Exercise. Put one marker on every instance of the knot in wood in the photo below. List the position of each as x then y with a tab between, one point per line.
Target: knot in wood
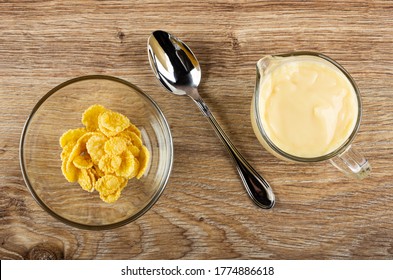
44	252
121	36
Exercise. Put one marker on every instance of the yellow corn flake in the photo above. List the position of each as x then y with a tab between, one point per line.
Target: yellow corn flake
132	138
124	184
112	197
80	147
104	154
95	147
143	161
108	184
90	116
71	136
92	176
133	141
124	135
134	129
115	146
135	151
69	171
83	161
109	187
86	180
136	169
111	123
127	166
67	149
109	164
136	140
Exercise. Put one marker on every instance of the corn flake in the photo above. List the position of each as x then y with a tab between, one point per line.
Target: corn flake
135	151
86	180
111	123
132	138
109	164
70	172
95	147
143	161
134	129
109	187
80	147
115	146
83	161
71	136
90	117
67	149
127	166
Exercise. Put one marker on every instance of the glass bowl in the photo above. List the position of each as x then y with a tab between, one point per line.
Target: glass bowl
60	110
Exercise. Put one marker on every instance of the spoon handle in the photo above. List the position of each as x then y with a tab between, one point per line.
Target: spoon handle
256	186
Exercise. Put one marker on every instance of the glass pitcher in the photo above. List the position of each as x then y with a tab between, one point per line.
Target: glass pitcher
344	157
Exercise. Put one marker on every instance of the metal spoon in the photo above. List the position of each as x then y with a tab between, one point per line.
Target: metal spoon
178	70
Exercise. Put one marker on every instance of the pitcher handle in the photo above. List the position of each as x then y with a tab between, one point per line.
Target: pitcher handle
352	163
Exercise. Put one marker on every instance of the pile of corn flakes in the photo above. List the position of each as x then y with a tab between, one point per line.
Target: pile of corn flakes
104	154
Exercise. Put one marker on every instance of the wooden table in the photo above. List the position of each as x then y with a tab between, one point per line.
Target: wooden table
204	212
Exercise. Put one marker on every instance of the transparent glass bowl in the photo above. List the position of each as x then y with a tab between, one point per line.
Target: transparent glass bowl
61	109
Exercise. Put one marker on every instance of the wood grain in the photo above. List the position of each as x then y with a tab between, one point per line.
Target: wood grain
204	213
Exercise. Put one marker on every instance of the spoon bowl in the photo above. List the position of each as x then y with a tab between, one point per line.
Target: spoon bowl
178	70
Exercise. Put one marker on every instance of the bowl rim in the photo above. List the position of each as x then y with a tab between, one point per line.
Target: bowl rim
155	197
